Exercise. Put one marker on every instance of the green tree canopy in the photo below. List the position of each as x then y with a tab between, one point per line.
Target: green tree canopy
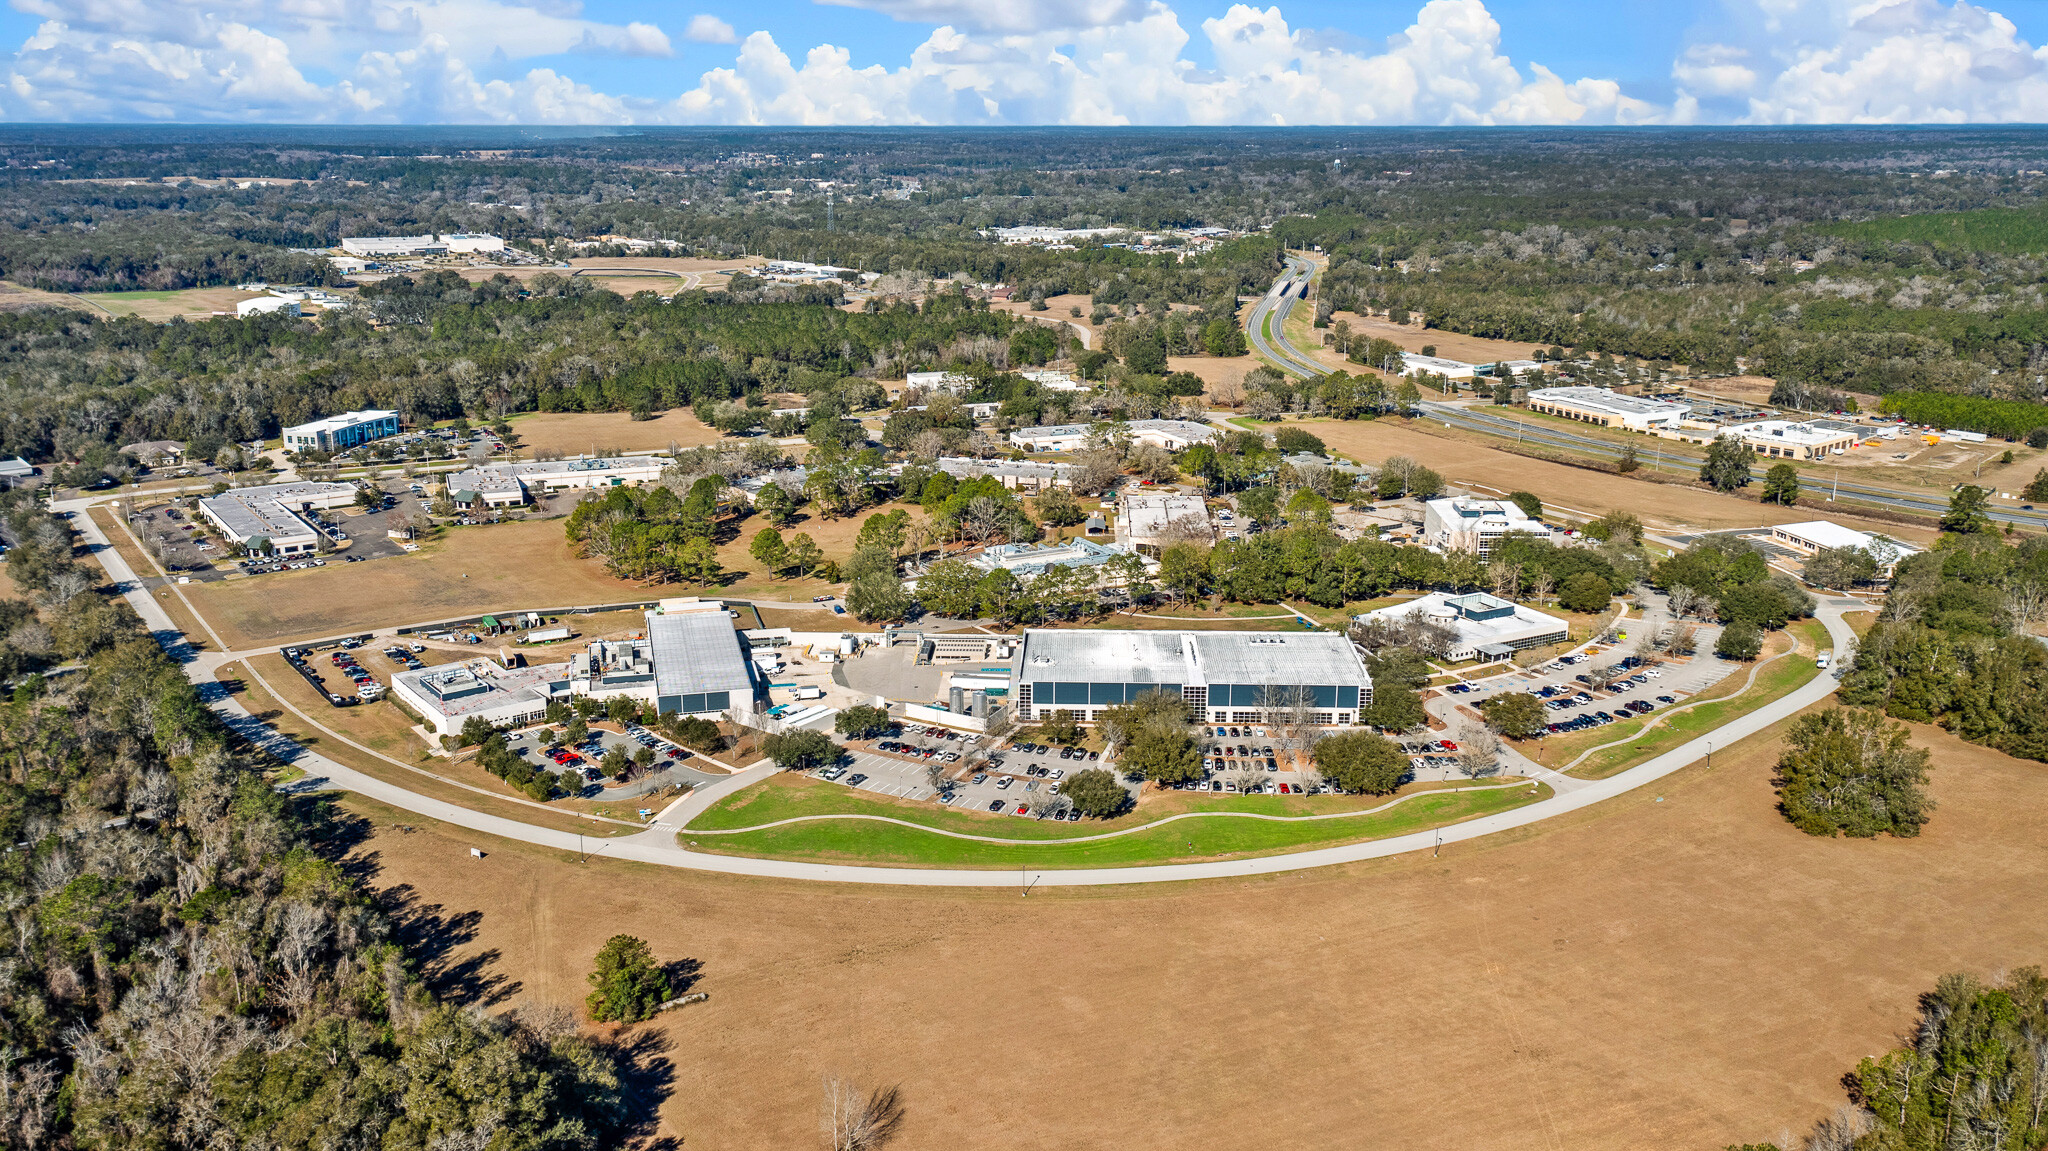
1361	762
1850	771
627	985
1515	714
1095	792
1726	468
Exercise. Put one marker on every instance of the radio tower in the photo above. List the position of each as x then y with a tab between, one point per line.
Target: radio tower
828	211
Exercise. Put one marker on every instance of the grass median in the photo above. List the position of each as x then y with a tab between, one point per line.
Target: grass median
1212	834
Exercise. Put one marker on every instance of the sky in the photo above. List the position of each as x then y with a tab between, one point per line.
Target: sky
992	62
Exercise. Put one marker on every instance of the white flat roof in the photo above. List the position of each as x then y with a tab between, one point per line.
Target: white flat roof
1603	399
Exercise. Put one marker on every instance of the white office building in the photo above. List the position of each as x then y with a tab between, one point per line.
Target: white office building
1173	435
339	433
1225	677
273	512
1463	523
954	382
1609	409
507	484
385	247
1790	440
1437	366
1154	518
1487	627
1811	536
1026	476
1029	561
472	242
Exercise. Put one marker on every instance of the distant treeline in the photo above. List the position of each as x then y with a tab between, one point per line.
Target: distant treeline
2008	419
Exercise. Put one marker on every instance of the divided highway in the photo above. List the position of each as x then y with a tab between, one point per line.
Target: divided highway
1293	284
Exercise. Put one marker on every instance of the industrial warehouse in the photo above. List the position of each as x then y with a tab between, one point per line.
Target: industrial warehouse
691	661
1225	677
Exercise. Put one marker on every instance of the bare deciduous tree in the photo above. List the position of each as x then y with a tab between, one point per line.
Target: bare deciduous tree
1478	752
857	1120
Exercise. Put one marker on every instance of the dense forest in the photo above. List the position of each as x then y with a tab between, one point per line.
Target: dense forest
1869	260
193	959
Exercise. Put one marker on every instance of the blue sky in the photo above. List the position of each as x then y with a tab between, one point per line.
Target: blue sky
1009	61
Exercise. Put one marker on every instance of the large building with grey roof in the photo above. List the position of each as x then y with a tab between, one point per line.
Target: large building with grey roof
273	513
1608	408
1225	677
508	484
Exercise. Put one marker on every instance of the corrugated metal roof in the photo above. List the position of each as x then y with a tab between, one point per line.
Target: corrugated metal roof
697	652
1190	657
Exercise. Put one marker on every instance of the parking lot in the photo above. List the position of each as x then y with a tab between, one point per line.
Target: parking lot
183	545
667	769
1573	704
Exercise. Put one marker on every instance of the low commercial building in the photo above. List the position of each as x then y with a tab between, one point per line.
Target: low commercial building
1462	523
1785	439
472	242
155	453
1028	561
272	513
15	468
339	433
1025	476
1437	366
1811	536
1154	518
690	662
1053	381
954	382
374	247
448	696
1487	627
507	484
790	480
1225	677
1609	409
1173	435
266	305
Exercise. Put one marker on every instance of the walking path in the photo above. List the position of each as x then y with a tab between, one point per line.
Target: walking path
658	844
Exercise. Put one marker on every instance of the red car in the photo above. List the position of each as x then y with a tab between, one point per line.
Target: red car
1021	809
1449	746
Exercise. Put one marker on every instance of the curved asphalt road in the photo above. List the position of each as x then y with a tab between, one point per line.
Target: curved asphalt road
658	844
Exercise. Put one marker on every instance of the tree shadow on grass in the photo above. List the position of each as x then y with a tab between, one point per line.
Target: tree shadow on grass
647	1078
432	936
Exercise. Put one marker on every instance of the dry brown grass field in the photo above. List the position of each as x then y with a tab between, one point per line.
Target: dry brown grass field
16	298
583	432
1450	345
1684	973
504	567
636	273
1461	461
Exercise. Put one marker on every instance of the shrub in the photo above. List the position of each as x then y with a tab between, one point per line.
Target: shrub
1739	640
1094	791
1361	762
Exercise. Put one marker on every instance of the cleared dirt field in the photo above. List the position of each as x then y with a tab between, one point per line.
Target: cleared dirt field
1685	973
1371	441
192	303
584	432
1449	345
509	566
16	298
637	273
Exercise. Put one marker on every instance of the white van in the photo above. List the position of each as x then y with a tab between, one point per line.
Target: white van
1824	658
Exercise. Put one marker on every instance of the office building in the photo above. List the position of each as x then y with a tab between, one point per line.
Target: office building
1225	677
1609	409
339	433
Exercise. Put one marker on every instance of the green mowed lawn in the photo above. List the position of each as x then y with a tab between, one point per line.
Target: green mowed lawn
155	295
1052	845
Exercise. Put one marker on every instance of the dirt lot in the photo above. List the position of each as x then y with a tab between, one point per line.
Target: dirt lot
526	564
1685	973
15	298
692	272
1370	441
574	432
1449	345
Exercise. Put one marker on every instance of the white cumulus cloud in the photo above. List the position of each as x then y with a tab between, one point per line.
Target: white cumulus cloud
1107	62
708	29
1865	61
